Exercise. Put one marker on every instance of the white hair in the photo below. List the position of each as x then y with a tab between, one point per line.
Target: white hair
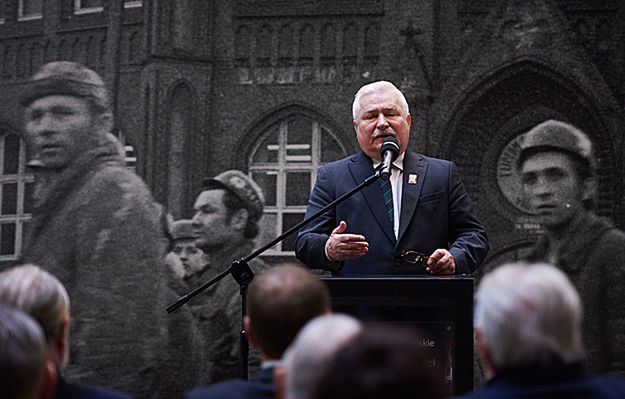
527	314
315	344
380	85
38	293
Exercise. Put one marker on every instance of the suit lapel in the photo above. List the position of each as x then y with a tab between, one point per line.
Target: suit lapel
415	167
361	168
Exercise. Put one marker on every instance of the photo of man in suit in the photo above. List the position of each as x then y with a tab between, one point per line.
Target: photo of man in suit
423	222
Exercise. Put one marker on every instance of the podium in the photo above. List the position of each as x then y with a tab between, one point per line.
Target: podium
440	307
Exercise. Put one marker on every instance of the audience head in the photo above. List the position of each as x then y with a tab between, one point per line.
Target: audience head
36	292
24	369
312	350
280	302
527	315
382	361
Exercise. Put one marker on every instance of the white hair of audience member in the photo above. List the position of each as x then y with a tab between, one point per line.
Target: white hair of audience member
314	346
23	355
39	294
527	313
376	86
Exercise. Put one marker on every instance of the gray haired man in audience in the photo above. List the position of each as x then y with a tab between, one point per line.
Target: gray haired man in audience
312	351
41	295
528	332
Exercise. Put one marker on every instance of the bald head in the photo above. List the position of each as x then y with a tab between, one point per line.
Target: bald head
280	302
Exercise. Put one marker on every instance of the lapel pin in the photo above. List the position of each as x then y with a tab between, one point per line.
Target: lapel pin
412	179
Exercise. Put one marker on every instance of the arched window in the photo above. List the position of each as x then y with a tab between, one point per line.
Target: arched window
284	163
15	193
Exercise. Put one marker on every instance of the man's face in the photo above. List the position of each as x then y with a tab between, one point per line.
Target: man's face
59	128
211	223
554	190
192	257
381	116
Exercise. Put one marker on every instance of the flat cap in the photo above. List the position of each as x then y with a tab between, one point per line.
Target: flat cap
65	78
243	187
558	136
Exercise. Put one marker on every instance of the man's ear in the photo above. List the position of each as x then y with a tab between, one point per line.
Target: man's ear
238	220
105	120
248	332
63	342
49	382
589	189
484	352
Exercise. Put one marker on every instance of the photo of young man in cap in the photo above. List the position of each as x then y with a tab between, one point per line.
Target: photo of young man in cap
88	213
227	212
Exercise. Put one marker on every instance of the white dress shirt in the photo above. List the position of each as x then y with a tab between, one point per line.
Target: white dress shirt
397	172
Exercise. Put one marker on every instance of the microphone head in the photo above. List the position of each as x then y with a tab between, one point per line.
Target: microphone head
390	144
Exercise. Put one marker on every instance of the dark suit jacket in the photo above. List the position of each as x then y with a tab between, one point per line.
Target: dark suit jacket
71	391
564	382
436	212
261	387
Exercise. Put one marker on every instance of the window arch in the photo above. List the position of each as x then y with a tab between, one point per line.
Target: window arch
15	194
284	163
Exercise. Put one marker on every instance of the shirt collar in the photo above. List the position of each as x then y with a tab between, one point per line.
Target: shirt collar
398	163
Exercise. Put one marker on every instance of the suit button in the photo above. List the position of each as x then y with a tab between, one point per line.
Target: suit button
397	261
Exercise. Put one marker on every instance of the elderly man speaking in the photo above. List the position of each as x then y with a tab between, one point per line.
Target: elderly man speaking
422	222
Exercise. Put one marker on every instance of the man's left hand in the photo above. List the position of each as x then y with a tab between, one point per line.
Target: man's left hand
441	262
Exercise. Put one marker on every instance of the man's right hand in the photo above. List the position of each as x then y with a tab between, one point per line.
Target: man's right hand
340	247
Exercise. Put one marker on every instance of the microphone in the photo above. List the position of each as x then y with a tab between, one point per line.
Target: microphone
389	152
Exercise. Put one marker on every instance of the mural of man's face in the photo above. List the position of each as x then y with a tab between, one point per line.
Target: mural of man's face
553	188
211	223
192	258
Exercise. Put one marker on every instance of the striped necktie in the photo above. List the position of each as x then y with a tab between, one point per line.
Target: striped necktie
387	193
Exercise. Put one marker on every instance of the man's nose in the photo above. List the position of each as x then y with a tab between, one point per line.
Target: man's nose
381	122
45	126
542	187
195	220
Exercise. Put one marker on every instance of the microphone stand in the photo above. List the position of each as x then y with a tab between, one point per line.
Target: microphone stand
243	274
